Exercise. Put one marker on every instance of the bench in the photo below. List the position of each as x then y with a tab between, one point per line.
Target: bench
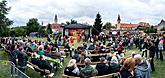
35	67
98	54
93	64
113	75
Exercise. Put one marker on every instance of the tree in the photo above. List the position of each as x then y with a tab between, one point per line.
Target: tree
97	25
17	31
71	22
49	29
4	21
150	30
107	26
42	32
32	26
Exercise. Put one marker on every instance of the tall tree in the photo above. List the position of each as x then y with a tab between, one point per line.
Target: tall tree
4	21
49	29
71	22
107	26
32	26
97	25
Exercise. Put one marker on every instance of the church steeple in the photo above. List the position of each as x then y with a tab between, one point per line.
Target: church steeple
55	18
118	19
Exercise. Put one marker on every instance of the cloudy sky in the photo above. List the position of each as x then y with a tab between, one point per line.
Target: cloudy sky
84	11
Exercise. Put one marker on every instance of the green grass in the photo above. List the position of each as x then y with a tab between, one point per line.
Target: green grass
4	70
40	39
3	55
4	66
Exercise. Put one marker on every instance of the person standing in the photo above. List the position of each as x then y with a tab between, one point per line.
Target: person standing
160	48
22	61
151	54
156	42
145	47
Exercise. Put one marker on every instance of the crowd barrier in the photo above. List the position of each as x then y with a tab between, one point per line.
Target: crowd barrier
14	71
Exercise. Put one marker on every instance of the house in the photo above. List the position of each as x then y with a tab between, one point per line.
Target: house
161	25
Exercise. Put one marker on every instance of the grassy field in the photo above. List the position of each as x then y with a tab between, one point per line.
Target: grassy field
159	66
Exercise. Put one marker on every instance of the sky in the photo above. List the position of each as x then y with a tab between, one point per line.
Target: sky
84	11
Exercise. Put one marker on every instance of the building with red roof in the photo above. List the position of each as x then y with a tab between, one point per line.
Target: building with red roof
56	27
130	26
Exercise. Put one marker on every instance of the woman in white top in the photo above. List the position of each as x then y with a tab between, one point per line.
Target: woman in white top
161	47
72	69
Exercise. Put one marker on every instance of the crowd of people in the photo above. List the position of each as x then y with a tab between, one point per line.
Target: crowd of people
42	53
116	60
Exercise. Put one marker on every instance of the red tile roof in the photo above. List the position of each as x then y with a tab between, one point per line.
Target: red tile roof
56	27
128	25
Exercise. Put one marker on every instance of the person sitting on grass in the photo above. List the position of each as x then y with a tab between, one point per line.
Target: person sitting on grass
88	70
101	67
72	69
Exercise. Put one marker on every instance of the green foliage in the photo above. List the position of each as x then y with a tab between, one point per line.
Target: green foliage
97	25
49	29
150	30
71	22
32	26
107	26
42	32
18	31
4	21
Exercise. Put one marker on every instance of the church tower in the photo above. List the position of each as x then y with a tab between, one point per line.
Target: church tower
118	22
55	18
118	19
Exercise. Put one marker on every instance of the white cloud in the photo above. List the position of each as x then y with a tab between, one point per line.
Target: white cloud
83	11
